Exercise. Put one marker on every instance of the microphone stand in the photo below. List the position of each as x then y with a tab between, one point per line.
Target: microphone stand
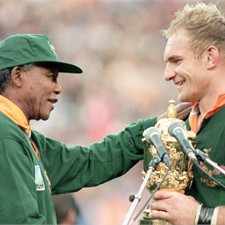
137	198
204	157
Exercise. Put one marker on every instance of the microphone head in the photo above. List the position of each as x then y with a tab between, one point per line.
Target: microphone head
177	130
153	136
174	127
149	132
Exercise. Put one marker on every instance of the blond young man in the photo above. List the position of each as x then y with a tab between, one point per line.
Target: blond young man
195	62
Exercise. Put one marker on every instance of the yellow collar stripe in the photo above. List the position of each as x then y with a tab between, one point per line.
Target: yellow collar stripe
12	111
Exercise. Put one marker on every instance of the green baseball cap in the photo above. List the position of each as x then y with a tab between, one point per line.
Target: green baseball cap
20	49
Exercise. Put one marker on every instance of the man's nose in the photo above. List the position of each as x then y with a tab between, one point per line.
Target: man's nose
58	88
169	73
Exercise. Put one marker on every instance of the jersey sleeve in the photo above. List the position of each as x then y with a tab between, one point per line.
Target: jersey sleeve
75	167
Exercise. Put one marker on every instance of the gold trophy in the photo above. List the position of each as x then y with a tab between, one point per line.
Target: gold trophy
175	177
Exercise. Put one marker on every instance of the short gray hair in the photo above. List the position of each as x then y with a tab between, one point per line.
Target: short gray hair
5	75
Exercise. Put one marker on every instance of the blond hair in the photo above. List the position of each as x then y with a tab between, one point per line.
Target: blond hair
204	24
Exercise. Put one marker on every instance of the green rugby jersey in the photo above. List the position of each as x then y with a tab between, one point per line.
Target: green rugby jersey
211	137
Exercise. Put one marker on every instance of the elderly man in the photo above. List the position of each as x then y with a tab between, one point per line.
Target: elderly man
195	63
34	167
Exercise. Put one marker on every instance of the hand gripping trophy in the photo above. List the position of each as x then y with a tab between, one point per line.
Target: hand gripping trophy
168	161
174	171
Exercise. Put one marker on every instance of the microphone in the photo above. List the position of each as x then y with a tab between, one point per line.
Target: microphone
153	135
177	130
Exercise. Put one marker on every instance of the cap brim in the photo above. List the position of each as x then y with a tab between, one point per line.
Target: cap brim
67	67
63	67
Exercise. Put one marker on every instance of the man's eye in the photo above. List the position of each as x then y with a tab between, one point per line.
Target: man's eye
177	61
52	77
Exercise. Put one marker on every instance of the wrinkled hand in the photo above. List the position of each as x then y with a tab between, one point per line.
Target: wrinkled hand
183	109
174	207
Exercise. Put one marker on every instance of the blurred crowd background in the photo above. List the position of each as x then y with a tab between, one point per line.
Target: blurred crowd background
119	46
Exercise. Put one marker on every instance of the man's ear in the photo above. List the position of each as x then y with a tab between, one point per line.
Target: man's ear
16	77
212	57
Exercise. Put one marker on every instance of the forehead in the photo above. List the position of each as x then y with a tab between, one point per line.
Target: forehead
48	67
178	45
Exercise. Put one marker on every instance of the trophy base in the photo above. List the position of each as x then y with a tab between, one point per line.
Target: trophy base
145	221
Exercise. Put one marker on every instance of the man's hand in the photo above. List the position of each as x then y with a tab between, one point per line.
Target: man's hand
174	207
221	216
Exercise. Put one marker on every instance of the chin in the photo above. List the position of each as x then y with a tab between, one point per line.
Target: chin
44	116
184	98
